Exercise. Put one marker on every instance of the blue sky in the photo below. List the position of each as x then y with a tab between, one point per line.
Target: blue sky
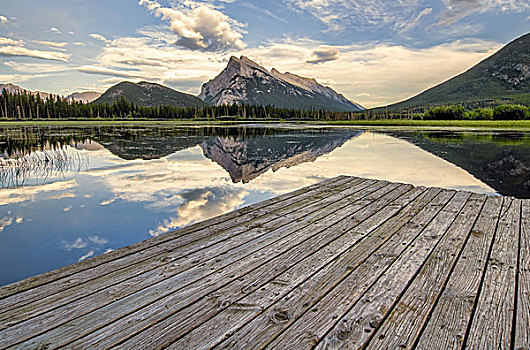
374	52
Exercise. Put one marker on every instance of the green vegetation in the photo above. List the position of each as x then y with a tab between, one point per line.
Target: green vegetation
26	107
500	76
146	94
502	112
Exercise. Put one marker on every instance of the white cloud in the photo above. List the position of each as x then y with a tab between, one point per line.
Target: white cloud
19	51
3	20
9	41
79	43
79	243
86	256
67	209
108	71
98	240
98	37
457	9
55	30
4	222
361	14
200	26
71	33
51	43
30	193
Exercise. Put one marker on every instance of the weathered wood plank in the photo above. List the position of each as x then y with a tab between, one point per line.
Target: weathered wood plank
71	312
180	259
522	323
404	323
360	264
355	322
145	318
67	271
491	326
210	331
449	320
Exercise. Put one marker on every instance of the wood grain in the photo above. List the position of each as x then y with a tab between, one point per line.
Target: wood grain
491	326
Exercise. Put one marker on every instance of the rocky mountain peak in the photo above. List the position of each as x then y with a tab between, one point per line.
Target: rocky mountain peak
245	81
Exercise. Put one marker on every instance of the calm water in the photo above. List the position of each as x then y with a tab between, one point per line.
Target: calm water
67	194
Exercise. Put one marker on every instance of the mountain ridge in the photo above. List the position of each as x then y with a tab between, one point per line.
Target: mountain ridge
245	81
501	75
146	94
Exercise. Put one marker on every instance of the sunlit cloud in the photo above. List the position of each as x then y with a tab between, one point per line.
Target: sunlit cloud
10	41
199	26
55	30
20	51
4	222
3	20
30	193
51	43
98	37
86	256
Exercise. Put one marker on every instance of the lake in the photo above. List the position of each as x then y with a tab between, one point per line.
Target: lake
71	193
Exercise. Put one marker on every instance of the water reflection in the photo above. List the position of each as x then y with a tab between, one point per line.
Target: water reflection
501	160
123	185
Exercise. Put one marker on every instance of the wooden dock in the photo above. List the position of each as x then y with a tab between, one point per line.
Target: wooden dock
346	263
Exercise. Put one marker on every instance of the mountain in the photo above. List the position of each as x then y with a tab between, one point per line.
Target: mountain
149	95
85	97
245	81
504	74
247	158
15	89
501	161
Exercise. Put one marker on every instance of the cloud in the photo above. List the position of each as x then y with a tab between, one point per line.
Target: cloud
51	43
98	240
455	10
406	26
55	30
78	43
79	243
98	37
108	71
86	256
30	193
9	41
200	26
3	20
325	55
20	51
359	14
201	205
4	222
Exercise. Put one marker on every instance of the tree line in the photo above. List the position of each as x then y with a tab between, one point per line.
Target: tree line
25	106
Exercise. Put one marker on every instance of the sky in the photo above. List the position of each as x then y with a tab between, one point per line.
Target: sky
374	52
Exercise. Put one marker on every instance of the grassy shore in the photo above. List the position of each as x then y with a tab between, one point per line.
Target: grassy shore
521	125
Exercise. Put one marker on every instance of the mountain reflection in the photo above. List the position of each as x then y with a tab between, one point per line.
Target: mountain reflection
244	152
501	160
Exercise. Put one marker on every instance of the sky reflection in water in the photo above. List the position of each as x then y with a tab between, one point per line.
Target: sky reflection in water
102	201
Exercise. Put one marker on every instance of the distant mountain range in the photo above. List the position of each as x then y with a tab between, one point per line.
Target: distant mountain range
85	97
245	81
149	95
504	74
